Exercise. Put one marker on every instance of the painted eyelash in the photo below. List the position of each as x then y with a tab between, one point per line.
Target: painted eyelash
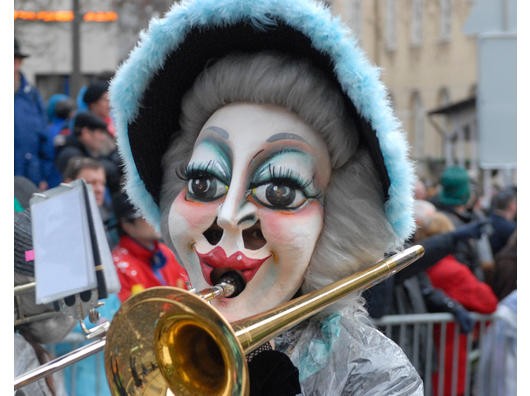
284	174
198	170
281	175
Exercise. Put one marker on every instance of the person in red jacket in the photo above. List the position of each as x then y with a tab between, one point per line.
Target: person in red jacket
459	283
141	259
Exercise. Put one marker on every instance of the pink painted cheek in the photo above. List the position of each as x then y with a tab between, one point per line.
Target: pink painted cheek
283	227
196	214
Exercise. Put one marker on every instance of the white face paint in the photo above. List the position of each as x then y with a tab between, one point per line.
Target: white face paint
253	203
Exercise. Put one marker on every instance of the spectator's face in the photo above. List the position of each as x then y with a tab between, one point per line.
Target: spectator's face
96	178
512	209
101	107
141	230
253	203
95	140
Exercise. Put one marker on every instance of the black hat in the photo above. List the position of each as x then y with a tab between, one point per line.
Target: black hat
24	190
88	120
18	52
123	208
147	91
95	91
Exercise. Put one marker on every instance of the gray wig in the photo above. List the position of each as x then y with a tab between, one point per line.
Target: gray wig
356	232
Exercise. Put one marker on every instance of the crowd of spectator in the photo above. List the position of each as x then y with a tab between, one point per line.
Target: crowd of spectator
66	140
58	141
455	275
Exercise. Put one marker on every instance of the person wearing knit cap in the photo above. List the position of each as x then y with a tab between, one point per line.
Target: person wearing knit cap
260	141
90	138
455	187
452	200
96	98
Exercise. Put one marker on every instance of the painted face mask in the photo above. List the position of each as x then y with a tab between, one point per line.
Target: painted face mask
252	203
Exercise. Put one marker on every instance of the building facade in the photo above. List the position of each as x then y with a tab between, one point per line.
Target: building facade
427	61
108	31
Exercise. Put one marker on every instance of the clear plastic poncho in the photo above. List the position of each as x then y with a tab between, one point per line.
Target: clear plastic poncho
342	353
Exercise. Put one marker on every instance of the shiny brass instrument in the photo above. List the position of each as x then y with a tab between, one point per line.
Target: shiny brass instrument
166	340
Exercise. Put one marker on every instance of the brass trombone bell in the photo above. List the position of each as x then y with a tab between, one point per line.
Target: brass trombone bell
166	340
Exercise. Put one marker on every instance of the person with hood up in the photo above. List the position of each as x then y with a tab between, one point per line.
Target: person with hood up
60	110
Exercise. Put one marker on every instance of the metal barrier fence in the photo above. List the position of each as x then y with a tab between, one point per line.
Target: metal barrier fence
429	340
421	336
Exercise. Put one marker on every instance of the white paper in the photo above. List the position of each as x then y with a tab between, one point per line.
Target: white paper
64	263
112	281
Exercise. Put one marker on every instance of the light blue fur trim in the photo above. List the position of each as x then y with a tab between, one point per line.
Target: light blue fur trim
359	79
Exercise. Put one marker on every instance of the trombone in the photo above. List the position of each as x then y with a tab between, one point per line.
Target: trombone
166	340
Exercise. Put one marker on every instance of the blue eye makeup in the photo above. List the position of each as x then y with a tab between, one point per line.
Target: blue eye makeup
283	181
283	187
205	182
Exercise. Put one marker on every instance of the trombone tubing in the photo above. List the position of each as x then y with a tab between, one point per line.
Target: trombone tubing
254	331
59	363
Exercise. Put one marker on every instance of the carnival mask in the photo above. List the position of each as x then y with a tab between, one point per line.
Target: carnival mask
253	203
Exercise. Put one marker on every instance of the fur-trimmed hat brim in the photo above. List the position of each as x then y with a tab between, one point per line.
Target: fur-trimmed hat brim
147	90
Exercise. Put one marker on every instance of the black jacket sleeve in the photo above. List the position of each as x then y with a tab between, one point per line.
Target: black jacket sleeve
436	248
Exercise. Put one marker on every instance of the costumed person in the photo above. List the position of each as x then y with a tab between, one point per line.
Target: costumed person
259	139
497	369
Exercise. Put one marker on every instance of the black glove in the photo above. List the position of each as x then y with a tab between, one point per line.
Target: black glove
272	373
471	230
437	301
463	318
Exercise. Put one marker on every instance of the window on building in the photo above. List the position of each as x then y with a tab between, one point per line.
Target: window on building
417	125
445	20
357	19
390	25
416	23
443	97
467	133
444	122
473	90
50	84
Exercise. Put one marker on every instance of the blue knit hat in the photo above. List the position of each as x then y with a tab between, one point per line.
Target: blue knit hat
147	90
455	187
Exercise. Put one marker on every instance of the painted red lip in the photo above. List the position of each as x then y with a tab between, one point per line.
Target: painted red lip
216	258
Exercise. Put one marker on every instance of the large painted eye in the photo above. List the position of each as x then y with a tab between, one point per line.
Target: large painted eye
277	195
206	188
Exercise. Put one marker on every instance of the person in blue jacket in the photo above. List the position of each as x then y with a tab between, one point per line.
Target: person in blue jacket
30	126
60	110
